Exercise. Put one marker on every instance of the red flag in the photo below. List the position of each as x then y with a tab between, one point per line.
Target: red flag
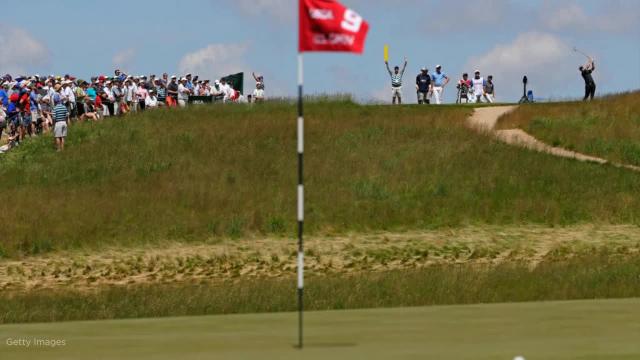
326	25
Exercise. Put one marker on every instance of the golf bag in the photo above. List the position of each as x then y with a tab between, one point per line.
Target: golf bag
463	93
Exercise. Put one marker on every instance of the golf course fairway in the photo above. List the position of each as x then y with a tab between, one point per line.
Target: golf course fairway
590	329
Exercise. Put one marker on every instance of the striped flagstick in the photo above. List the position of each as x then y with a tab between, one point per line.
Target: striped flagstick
300	202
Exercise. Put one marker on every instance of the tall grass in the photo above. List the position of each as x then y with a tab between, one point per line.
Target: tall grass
589	277
227	171
608	127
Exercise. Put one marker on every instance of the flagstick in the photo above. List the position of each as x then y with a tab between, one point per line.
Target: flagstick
300	201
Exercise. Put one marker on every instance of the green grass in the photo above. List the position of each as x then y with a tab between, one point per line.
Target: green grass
608	127
229	171
602	275
586	330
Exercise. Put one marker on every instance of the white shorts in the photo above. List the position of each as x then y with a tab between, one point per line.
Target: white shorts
60	130
396	91
258	94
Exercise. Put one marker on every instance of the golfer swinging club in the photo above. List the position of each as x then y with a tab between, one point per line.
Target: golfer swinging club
589	84
396	81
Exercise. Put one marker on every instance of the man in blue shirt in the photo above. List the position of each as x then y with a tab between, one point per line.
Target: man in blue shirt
34	108
439	80
4	97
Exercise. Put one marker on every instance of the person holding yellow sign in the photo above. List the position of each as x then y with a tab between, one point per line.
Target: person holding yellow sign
396	81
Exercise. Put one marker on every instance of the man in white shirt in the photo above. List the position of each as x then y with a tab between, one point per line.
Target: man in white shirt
227	91
68	96
151	101
258	94
110	109
477	84
183	93
130	92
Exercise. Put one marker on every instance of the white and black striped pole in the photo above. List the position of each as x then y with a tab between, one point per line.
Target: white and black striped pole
300	202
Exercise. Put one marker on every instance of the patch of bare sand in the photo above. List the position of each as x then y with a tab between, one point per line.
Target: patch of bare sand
484	119
276	257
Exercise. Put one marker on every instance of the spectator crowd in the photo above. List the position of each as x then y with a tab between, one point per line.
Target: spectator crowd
33	105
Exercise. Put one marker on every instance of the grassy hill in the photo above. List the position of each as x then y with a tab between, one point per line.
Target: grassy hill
229	171
608	127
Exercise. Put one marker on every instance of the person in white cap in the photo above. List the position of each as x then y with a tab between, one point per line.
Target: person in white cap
108	99
258	93
151	101
438	82
172	92
183	92
423	86
216	90
130	94
477	84
68	97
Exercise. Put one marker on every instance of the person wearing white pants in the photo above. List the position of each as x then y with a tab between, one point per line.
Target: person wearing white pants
477	83
489	90
439	80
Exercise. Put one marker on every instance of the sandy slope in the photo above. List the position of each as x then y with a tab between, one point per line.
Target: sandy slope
484	119
275	257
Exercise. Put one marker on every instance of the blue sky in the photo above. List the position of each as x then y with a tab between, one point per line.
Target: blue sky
215	37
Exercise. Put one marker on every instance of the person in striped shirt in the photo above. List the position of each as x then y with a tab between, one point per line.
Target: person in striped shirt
60	117
396	81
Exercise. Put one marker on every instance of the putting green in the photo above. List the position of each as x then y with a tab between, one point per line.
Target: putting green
599	329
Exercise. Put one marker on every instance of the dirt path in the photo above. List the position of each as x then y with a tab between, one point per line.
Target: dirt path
276	257
484	120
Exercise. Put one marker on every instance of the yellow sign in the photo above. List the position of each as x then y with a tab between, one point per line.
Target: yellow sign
386	53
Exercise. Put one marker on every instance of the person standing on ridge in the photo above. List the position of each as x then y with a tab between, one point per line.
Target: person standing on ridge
477	85
489	90
423	86
439	80
589	84
396	81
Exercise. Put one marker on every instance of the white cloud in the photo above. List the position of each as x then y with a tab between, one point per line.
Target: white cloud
544	58
281	10
215	60
480	17
570	16
124	59
614	16
21	51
